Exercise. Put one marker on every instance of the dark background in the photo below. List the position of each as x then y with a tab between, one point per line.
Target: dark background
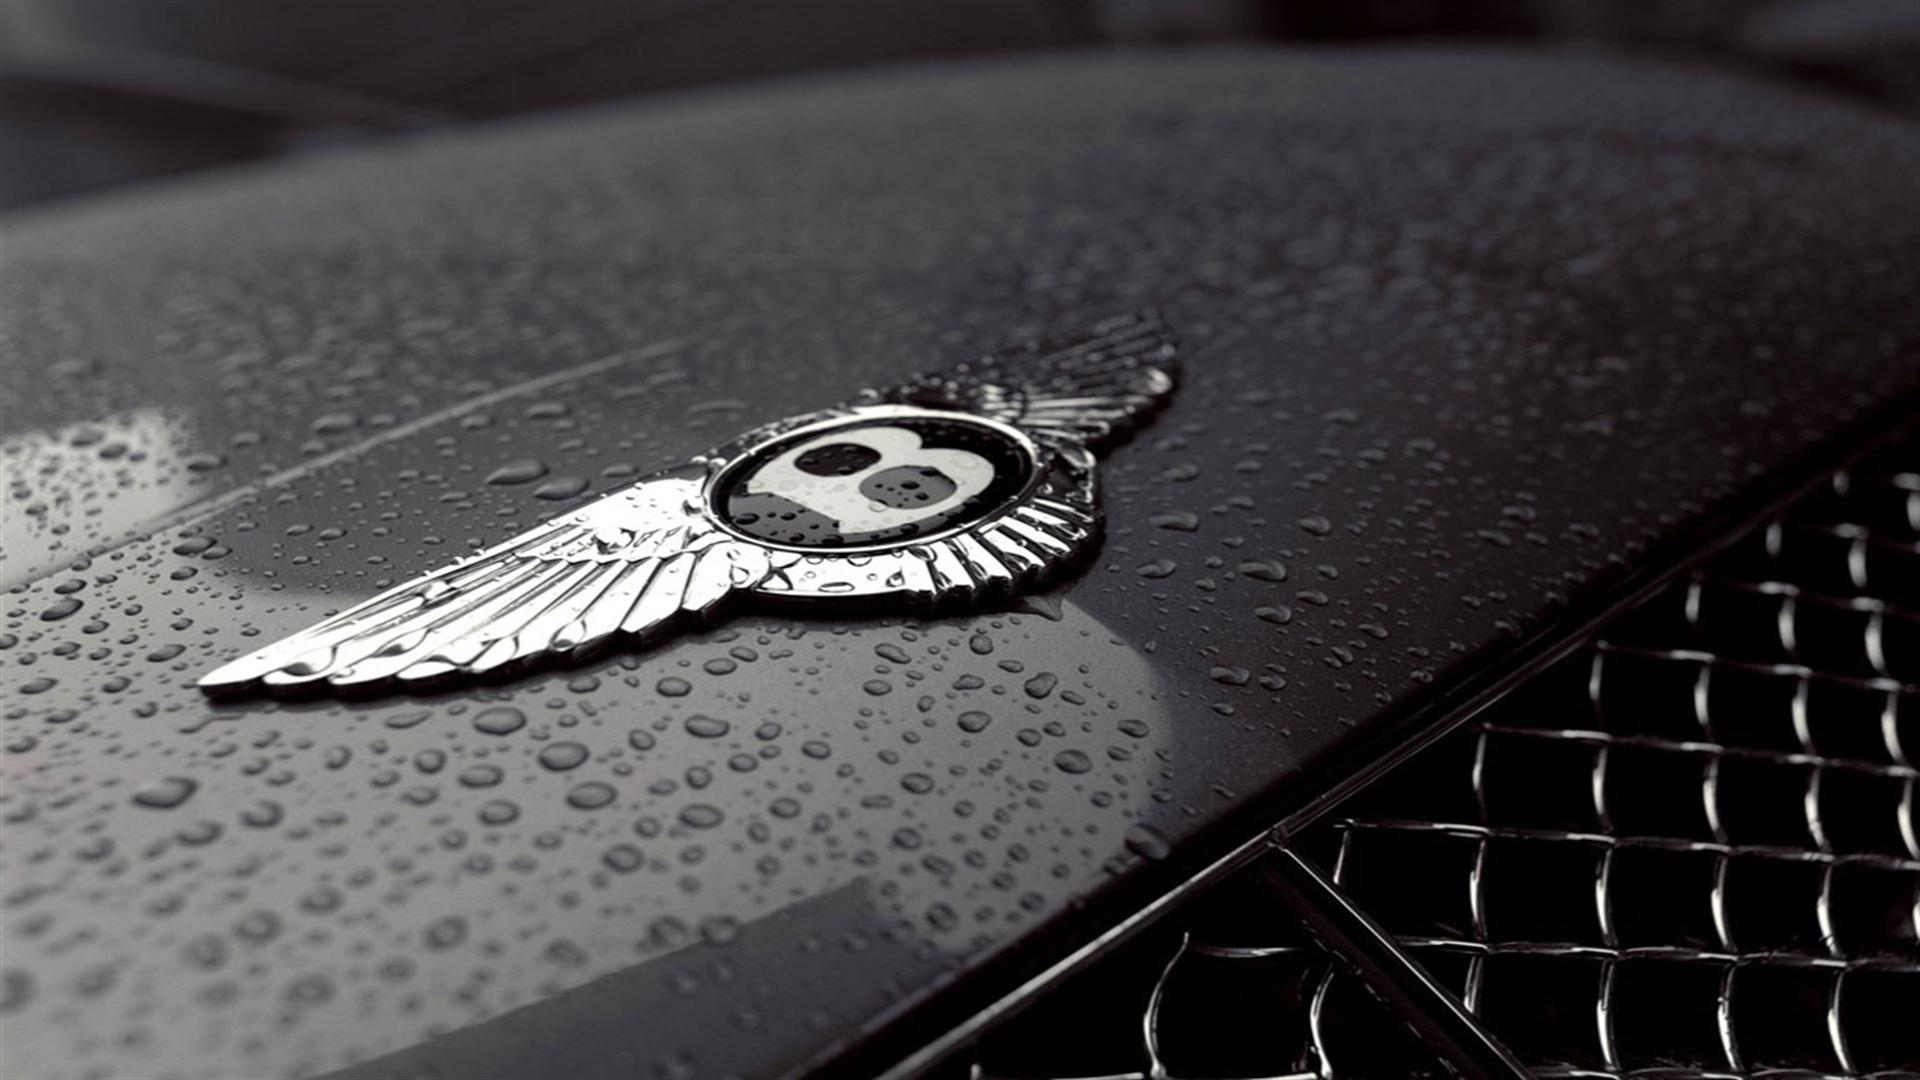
99	93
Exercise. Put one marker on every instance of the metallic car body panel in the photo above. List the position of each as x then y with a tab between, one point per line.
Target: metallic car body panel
1463	334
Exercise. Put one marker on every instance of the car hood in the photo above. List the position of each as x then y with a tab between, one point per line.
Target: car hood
1464	334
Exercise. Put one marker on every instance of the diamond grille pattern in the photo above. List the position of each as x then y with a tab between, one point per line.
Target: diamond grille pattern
1690	850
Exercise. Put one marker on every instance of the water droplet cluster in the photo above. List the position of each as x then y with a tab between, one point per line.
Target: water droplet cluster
1444	370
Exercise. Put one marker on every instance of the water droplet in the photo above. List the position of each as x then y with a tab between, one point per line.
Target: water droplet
943	917
480	776
1072	761
701	816
446	932
257	927
60	609
314	989
402	721
206	952
166	793
562	756
335	423
565	953
1263	570
499	720
322	899
1148	842
591	795
561	487
523	471
1230	676
623	858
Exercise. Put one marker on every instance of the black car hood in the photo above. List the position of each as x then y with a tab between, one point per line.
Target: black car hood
1464	333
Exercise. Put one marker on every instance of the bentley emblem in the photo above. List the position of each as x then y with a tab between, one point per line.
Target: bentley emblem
961	486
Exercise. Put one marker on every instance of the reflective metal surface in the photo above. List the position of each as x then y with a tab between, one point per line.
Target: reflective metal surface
680	544
1689	851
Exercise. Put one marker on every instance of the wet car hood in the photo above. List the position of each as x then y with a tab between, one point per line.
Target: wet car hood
1464	333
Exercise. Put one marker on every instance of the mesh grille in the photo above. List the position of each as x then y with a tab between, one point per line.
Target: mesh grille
1691	849
1234	988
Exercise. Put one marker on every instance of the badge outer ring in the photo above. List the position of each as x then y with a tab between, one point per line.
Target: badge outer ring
966	562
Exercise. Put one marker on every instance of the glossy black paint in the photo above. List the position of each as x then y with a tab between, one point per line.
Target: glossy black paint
1463	334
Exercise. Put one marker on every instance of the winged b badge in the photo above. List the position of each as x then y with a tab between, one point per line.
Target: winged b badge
960	486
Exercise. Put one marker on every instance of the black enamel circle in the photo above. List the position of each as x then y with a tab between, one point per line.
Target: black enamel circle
877	481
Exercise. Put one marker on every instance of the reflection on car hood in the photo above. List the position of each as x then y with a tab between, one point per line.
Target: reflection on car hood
1462	332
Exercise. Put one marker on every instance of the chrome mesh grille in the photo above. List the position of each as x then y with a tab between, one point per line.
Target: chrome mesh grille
1690	850
1233	987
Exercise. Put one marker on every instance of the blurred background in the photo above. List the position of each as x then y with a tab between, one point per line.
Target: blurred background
98	93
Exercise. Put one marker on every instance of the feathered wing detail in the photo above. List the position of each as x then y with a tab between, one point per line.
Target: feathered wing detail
637	561
1077	395
632	562
998	560
1090	388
